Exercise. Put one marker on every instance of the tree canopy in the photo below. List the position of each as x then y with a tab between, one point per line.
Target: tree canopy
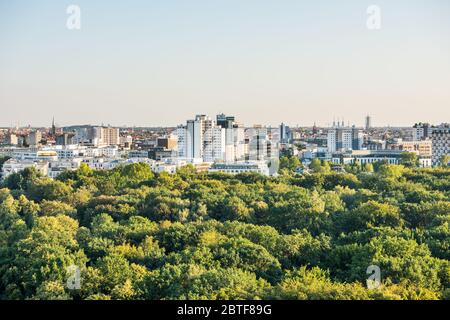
133	234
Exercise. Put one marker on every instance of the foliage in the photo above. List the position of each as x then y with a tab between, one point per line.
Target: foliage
134	234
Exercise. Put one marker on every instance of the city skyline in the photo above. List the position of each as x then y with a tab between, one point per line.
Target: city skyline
155	64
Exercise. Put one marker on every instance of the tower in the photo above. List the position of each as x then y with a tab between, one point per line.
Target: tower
53	132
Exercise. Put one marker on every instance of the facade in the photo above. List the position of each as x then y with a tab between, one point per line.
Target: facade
13	166
64	139
421	131
367	156
440	137
368	122
284	133
202	139
241	167
341	139
34	138
419	147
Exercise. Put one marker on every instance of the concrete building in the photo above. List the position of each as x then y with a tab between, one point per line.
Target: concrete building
420	147
202	139
421	131
14	166
64	139
34	138
241	167
440	137
284	133
368	122
341	139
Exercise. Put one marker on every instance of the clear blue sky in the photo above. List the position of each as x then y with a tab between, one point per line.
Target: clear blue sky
160	62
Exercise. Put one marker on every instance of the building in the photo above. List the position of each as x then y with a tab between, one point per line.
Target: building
284	133
14	166
241	167
12	140
202	139
108	136
64	139
341	139
126	141
440	137
34	138
226	122
169	143
421	147
368	123
55	168
421	131
369	156
95	136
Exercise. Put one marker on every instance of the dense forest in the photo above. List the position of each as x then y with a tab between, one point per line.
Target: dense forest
134	234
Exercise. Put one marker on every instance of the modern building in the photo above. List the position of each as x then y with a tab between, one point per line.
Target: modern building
341	138
419	147
440	137
368	122
421	131
34	138
64	139
14	166
284	133
201	138
241	167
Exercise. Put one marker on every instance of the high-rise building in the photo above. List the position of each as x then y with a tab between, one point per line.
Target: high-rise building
11	139
34	138
224	121
53	131
284	133
368	122
202	139
422	131
340	138
440	137
64	139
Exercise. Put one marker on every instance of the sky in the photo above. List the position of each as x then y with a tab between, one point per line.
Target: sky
152	63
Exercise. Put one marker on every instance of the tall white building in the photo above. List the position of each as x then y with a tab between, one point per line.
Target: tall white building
202	139
341	138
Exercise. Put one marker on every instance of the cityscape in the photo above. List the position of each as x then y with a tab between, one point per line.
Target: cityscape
218	144
224	159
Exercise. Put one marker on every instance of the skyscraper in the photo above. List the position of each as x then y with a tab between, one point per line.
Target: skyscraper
202	139
368	123
440	142
341	138
284	133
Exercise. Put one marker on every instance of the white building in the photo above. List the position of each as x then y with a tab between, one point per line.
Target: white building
14	166
241	167
55	168
341	139
201	139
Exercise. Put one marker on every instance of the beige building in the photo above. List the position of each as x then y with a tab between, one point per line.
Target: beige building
419	147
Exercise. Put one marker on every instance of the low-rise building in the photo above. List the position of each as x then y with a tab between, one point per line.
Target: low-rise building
241	167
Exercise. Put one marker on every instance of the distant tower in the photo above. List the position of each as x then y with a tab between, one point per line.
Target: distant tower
315	130
368	122
53	127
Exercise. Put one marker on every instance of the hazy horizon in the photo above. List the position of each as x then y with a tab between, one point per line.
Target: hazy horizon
148	63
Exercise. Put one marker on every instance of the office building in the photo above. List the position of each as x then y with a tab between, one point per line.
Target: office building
440	137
